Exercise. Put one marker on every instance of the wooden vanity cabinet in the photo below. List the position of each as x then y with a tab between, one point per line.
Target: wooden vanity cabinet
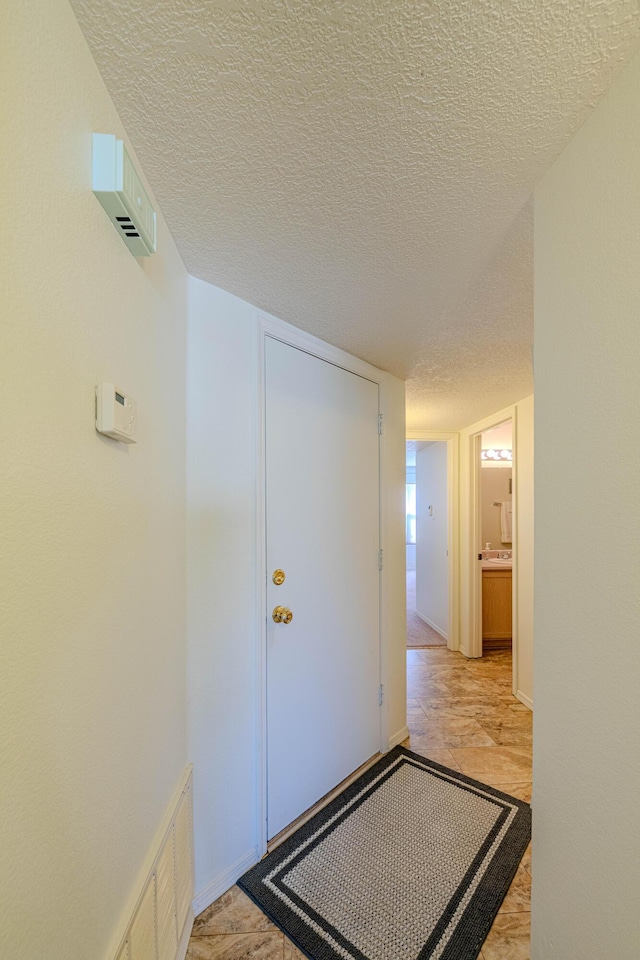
496	605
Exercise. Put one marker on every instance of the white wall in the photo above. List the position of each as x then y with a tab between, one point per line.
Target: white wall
522	416
586	851
393	614
92	552
411	479
432	562
222	550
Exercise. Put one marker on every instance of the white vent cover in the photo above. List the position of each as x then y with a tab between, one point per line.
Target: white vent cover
119	189
160	924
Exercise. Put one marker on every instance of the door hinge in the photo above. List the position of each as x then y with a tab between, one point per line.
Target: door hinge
380	559
380	424
380	695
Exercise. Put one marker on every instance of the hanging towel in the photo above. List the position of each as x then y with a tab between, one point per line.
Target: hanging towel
506	513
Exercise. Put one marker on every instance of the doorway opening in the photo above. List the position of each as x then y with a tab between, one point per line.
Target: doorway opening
427	528
496	540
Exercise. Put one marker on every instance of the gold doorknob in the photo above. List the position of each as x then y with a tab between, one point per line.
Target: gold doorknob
282	615
278	577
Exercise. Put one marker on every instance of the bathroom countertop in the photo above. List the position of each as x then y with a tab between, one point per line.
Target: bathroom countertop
488	565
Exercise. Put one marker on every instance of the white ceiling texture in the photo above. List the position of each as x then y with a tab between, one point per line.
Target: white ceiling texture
364	168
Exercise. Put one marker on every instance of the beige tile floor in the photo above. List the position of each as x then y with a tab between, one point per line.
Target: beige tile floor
461	713
477	726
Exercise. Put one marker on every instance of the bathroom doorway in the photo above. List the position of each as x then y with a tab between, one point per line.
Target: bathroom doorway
496	549
496	536
520	416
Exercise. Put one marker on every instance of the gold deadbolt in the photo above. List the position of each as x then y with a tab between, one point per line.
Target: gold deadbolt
282	615
278	577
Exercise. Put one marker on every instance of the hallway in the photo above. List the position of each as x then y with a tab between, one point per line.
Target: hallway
419	633
460	713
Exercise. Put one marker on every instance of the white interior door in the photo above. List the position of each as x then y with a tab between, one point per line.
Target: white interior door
322	530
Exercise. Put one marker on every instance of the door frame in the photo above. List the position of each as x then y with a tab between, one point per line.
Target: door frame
267	326
452	441
474	533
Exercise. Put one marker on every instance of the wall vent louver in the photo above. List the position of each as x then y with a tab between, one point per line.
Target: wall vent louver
119	189
160	924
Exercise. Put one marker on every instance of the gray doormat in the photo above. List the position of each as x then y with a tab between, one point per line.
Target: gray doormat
410	862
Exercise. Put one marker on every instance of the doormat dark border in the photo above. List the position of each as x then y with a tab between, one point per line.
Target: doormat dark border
466	939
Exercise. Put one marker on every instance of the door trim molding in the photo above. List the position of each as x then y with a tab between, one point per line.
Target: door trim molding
453	498
268	326
474	537
398	737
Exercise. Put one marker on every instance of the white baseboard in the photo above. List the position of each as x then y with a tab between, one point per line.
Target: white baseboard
433	626
523	698
398	737
223	881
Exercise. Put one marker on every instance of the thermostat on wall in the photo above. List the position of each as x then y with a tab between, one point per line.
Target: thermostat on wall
115	413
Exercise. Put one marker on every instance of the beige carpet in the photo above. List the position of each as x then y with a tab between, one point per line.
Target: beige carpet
419	633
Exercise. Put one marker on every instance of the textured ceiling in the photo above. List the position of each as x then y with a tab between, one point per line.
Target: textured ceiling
364	169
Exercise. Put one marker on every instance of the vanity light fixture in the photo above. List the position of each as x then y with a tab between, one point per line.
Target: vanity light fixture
497	454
